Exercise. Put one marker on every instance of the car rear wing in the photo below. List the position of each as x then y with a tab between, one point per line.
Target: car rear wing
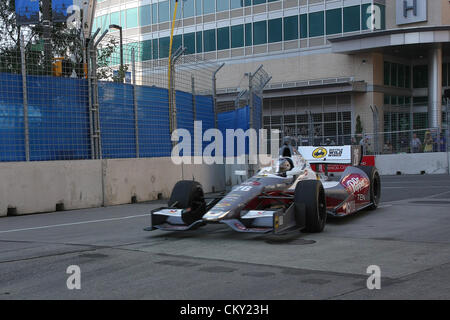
332	155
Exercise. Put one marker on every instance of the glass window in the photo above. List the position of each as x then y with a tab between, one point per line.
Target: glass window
248	34
290	28
209	6
237	4
366	16
198	7
394	68
145	15
164	47
401	76
420	76
223	38
223	5
387	73
163	11
316	24
188	8
146	50
172	10
334	21
258	1
115	18
155	13
275	30
247	3
177	42
132	18
408	77
155	49
209	37
259	32
122	19
199	42
189	43
237	36
444	75
303	26
352	18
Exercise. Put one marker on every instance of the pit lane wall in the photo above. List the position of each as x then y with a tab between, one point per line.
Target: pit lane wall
35	187
417	163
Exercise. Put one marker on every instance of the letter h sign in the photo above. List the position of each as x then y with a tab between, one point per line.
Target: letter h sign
407	8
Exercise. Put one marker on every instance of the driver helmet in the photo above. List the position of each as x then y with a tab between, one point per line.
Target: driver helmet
282	166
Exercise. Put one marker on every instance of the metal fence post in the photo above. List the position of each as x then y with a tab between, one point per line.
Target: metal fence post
25	98
214	89
136	110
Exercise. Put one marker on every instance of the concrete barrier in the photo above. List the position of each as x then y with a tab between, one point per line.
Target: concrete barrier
30	187
412	163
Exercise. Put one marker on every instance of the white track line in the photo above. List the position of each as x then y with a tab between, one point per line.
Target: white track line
74	223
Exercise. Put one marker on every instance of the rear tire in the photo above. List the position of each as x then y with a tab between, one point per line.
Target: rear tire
188	194
312	194
375	185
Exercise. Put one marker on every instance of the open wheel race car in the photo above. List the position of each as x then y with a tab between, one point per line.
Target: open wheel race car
287	196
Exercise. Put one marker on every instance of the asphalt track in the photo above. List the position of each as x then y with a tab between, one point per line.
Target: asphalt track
408	237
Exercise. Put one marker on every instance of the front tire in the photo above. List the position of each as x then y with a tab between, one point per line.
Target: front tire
188	195
312	194
375	185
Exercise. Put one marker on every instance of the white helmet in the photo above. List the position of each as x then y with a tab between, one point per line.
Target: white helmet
283	165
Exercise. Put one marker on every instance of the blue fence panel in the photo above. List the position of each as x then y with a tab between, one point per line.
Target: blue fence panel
12	136
237	119
204	109
117	122
58	118
154	125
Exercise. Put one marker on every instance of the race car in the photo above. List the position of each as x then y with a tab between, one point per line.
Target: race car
284	197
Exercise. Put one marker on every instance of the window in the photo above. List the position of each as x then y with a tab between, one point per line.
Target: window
209	40
132	18
237	36
115	18
172	10
164	47
188	8
394	68
316	24
420	76
145	15
387	73
163	11
408	77
155	13
209	6
255	2
223	5
259	32
303	26
177	42
223	38
198	42
352	19
401	76
445	81
198	7
146	50
334	21
189	43
155	49
237	4
248	34
290	28
275	30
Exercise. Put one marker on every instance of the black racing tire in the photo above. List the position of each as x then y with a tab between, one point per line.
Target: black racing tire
187	194
312	194
375	185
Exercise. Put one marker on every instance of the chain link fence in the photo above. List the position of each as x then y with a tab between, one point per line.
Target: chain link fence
66	99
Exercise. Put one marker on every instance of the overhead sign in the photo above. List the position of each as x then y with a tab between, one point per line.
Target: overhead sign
27	12
411	11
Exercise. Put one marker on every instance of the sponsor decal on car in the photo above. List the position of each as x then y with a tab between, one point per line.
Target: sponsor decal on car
355	183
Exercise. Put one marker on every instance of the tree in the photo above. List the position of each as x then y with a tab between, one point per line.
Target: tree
359	129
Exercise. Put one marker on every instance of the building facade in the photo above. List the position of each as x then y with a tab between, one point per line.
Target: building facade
334	63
